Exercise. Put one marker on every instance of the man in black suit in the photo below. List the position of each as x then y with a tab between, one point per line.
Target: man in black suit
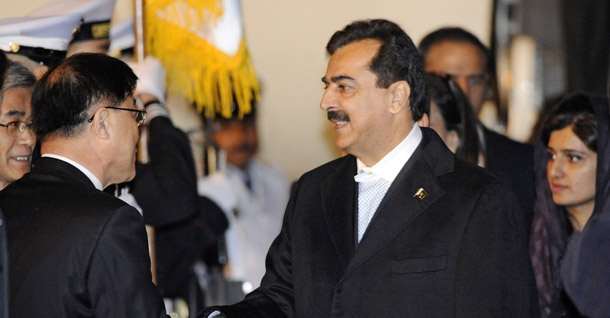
74	250
399	227
459	54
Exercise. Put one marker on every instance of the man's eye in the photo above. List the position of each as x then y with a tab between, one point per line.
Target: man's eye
13	124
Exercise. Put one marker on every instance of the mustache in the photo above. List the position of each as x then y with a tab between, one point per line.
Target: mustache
338	115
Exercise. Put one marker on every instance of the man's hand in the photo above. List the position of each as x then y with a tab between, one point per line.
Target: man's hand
151	78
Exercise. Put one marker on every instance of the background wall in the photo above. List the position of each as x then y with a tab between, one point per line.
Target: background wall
286	39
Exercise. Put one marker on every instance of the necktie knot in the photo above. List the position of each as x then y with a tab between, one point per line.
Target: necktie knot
366	175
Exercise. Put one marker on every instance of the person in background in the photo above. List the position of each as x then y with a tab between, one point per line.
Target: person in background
252	193
37	42
74	250
17	138
93	33
584	271
451	117
186	225
457	53
566	194
398	227
567	162
3	253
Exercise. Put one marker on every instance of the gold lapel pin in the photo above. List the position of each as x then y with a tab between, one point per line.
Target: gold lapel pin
420	194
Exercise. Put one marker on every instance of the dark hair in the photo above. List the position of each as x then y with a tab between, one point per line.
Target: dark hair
576	110
396	60
68	94
2	65
456	112
456	35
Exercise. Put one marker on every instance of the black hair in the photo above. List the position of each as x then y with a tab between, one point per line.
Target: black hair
2	65
456	35
456	113
396	60
68	94
576	110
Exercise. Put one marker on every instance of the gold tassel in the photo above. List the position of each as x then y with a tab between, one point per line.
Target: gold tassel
195	68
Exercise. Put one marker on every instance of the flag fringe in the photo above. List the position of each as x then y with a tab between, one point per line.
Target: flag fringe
196	69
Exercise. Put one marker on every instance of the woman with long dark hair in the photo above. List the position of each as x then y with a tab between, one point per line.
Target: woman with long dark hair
566	171
451	116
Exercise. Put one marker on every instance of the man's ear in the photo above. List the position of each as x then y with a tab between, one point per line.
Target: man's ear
100	123
424	121
400	91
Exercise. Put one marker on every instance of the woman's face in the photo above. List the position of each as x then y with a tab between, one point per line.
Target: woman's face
571	170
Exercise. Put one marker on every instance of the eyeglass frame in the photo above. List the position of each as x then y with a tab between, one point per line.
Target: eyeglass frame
141	112
21	128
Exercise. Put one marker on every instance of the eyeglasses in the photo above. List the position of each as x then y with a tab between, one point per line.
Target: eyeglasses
15	128
140	116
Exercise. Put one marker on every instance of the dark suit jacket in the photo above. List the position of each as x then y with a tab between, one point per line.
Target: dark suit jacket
185	224
75	251
459	252
513	163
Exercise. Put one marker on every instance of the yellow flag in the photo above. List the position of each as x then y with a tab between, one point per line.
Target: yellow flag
201	44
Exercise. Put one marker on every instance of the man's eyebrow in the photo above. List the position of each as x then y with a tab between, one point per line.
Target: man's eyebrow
337	79
14	112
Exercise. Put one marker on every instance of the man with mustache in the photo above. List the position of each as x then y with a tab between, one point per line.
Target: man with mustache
252	193
399	227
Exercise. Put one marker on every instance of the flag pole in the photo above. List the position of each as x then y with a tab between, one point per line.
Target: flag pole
140	53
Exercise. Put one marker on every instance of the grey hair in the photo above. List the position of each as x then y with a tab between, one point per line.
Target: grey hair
16	75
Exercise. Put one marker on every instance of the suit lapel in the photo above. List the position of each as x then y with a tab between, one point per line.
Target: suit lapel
338	197
401	206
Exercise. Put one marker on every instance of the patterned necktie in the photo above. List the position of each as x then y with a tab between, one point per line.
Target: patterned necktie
371	190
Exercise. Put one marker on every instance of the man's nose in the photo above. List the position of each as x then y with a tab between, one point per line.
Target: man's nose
328	100
27	136
462	82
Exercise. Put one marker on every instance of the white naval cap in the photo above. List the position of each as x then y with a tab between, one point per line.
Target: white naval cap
95	16
121	35
39	38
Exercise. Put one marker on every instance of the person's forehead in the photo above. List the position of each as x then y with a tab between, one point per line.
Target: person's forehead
355	55
13	104
454	54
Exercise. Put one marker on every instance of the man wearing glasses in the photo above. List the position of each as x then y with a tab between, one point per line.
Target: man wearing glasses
74	250
17	139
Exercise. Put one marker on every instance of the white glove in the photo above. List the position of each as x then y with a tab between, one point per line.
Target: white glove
151	77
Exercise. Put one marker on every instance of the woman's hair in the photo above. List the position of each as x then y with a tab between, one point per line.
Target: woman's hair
576	110
456	112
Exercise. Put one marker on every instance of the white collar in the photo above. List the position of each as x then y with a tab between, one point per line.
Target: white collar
96	182
390	165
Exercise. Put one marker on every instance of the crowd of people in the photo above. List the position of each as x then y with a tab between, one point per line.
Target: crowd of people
428	214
